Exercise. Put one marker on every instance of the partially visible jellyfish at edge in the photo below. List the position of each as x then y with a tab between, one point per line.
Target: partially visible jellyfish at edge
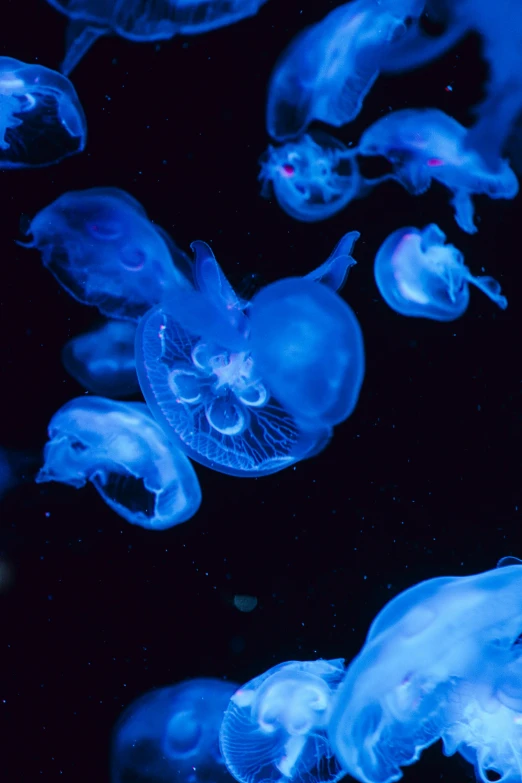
172	734
418	275
123	452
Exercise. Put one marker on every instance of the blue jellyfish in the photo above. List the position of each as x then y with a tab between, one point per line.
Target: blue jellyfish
424	145
102	248
198	371
312	178
102	360
329	68
441	660
90	19
121	450
41	118
172	734
275	727
417	274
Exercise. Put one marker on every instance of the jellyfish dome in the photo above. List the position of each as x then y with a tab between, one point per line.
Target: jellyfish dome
120	449
441	660
41	118
275	727
103	249
172	734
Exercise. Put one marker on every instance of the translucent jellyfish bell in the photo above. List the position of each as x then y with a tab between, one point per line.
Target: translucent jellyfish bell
313	177
102	360
275	727
425	145
172	734
41	118
103	249
419	275
437	663
120	449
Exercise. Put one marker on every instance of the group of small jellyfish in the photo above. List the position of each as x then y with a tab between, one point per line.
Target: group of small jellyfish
249	387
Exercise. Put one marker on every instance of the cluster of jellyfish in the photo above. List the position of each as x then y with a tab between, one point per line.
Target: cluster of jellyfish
441	662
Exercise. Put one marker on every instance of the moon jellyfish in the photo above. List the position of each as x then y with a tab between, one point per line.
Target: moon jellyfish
425	145
441	660
102	248
419	275
41	118
172	734
312	178
158	21
275	727
102	361
120	449
329	68
198	368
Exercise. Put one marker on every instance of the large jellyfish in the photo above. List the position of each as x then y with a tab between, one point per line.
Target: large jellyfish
103	249
328	69
275	727
419	275
122	451
441	660
160	20
103	361
41	118
425	145
172	734
198	372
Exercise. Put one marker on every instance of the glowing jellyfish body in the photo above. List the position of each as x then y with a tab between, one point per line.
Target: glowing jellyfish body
275	727
102	248
441	660
312	178
102	361
419	275
424	145
125	455
199	376
157	21
172	734
41	118
328	69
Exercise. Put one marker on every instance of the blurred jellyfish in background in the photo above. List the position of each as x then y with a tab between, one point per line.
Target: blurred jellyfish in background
275	727
312	178
102	360
425	145
419	275
328	69
442	660
103	249
41	118
90	19
172	734
122	451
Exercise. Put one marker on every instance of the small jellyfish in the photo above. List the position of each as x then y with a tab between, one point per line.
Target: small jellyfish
275	727
198	372
441	661
158	21
419	275
102	360
41	118
328	69
102	248
172	734
120	449
424	145
313	177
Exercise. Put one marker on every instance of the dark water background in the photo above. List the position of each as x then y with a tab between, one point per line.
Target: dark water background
423	480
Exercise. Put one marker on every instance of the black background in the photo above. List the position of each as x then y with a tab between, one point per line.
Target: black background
423	480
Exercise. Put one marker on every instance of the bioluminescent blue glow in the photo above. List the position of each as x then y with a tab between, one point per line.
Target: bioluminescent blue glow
122	451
